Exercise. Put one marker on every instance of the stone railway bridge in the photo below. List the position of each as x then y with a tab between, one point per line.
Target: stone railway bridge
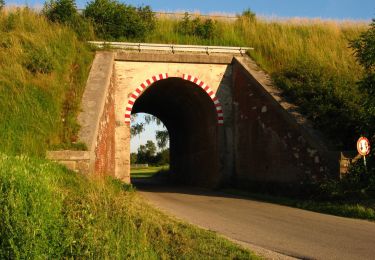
226	121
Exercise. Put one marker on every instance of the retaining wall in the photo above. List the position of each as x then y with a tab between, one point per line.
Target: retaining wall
97	120
273	142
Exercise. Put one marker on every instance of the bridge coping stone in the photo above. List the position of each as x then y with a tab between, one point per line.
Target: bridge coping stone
200	58
94	98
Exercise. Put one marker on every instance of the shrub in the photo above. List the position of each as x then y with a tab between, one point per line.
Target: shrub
205	29
61	11
147	18
319	93
364	51
114	20
65	12
364	48
248	15
82	27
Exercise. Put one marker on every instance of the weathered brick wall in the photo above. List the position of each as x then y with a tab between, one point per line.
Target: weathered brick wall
270	146
105	145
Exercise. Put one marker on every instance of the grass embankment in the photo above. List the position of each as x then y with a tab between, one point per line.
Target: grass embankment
43	71
47	211
147	171
309	59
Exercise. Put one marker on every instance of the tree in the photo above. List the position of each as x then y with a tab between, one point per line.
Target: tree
65	12
133	158
2	4
248	15
136	129
115	20
364	48
162	137
364	51
205	29
146	153
151	148
61	11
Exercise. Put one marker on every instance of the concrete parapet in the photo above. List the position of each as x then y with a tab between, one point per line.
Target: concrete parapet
200	58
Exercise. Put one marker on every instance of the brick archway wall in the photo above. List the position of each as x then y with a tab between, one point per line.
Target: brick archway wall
143	86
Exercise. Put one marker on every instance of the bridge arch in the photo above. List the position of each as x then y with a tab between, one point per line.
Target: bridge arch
192	113
148	82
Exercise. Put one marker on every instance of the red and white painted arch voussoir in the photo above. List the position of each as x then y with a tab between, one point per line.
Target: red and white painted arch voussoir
150	81
211	93
139	91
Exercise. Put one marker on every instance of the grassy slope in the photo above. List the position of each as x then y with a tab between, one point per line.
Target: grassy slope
309	59
279	44
49	212
43	70
147	172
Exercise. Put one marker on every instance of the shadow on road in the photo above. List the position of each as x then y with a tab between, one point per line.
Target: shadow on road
162	183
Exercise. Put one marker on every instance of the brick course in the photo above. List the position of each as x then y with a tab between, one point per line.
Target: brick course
105	145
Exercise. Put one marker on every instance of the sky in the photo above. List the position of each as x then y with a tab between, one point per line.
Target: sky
335	9
147	134
329	9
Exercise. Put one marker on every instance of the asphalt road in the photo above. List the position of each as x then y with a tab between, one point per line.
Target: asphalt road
289	231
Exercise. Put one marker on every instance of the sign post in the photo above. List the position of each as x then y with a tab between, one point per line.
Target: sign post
363	147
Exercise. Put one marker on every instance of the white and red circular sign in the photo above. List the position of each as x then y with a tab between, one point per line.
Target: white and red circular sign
363	146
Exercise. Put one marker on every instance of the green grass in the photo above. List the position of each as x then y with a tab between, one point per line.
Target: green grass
43	71
364	209
49	212
147	171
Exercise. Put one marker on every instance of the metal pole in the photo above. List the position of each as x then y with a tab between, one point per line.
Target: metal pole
364	161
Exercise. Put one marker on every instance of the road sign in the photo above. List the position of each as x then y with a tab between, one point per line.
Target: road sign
363	146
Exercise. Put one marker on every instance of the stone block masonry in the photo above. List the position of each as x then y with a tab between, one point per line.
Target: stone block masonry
75	160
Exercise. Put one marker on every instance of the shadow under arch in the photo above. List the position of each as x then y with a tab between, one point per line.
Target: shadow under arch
192	117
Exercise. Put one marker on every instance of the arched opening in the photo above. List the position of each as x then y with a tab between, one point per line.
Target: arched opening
192	115
149	147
